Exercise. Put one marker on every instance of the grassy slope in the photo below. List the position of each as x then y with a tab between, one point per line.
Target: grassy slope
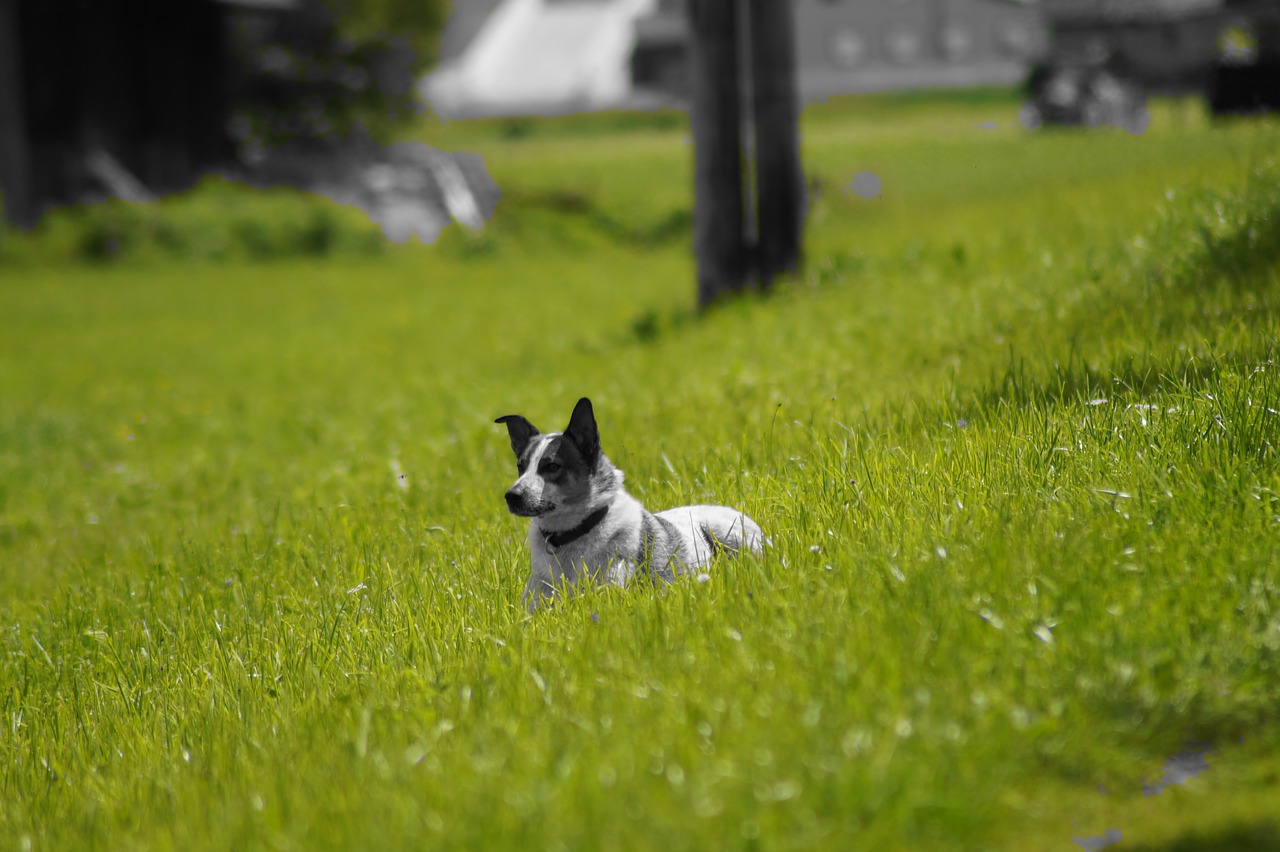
1012	434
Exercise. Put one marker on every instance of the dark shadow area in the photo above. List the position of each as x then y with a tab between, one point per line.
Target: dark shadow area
588	125
1232	241
1220	246
1130	379
1260	836
581	208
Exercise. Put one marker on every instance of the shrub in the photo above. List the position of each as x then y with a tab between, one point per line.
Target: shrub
219	220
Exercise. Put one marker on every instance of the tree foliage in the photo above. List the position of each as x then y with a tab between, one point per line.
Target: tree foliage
418	22
332	67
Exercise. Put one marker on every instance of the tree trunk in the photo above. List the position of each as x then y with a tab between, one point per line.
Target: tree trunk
775	102
15	159
718	238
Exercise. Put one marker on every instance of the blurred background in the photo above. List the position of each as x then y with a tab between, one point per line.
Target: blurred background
138	98
528	55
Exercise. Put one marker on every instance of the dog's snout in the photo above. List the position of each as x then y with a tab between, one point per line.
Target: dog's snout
515	500
519	502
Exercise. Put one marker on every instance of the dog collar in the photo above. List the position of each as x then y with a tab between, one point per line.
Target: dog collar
563	537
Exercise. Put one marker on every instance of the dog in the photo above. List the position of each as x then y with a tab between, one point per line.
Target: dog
585	527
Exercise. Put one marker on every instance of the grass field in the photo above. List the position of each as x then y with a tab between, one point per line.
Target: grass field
1013	433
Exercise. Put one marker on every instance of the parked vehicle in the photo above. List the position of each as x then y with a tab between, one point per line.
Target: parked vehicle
1104	57
1090	94
1245	76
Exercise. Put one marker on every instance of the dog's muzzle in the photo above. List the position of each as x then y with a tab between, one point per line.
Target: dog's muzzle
518	504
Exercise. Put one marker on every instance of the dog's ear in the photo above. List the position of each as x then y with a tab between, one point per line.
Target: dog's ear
520	430
583	432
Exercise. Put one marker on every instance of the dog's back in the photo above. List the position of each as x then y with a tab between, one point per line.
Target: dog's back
684	539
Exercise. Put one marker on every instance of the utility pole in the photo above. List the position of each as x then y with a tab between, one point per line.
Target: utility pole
718	240
776	104
15	159
746	46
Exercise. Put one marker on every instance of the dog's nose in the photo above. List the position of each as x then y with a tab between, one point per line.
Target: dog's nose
514	500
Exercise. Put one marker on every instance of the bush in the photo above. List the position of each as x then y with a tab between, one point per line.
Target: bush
217	221
332	67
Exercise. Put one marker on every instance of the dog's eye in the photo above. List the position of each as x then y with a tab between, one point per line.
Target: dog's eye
549	468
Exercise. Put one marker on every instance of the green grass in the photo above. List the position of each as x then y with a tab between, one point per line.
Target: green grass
1013	433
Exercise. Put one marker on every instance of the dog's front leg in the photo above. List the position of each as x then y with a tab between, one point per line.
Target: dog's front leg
537	592
618	572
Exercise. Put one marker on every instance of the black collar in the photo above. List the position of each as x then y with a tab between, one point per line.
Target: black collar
560	539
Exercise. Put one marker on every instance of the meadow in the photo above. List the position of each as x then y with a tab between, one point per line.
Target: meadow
1013	431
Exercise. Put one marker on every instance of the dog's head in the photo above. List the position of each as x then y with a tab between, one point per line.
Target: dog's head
562	474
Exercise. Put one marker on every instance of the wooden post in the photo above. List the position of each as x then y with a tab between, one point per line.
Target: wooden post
718	239
15	159
775	102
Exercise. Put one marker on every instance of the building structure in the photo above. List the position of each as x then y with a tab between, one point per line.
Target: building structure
134	93
540	56
846	46
536	57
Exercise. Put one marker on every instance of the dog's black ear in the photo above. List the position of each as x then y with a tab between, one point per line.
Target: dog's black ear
520	430
583	432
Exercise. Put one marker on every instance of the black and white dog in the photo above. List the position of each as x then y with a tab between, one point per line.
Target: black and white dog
585	527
